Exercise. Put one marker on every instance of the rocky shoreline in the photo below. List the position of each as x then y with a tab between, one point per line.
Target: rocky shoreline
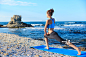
16	46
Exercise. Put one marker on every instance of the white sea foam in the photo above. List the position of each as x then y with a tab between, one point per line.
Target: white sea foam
59	28
75	25
34	28
4	25
71	22
42	28
36	24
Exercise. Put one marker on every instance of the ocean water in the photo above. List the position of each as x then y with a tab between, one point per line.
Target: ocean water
75	31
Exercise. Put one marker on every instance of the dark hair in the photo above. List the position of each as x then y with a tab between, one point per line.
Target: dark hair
50	12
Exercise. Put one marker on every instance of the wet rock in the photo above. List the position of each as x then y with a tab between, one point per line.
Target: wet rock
83	40
65	46
1	25
82	48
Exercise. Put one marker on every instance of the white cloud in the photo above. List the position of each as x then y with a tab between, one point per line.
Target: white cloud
12	2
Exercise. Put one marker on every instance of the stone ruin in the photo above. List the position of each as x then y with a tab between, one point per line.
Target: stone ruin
16	22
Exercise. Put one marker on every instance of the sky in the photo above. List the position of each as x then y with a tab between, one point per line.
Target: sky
35	10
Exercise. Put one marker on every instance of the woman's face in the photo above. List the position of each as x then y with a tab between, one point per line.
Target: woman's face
47	15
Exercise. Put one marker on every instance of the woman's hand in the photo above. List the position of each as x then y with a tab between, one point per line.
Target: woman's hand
45	34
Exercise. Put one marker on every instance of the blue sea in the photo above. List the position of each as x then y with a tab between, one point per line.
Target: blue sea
75	31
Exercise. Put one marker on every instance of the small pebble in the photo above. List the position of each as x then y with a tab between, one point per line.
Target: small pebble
36	55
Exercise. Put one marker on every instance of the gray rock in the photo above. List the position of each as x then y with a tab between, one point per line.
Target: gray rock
16	22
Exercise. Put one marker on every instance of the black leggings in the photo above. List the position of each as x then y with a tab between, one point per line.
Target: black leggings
54	35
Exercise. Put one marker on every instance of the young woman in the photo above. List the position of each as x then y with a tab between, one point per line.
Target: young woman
54	35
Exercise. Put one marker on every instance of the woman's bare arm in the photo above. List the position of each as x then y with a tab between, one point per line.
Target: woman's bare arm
46	27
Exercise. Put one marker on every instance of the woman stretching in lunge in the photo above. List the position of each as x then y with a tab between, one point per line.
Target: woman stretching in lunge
52	34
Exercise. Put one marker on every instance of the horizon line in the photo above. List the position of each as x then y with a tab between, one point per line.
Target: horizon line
34	21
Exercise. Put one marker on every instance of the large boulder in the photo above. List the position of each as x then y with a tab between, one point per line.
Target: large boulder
16	22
